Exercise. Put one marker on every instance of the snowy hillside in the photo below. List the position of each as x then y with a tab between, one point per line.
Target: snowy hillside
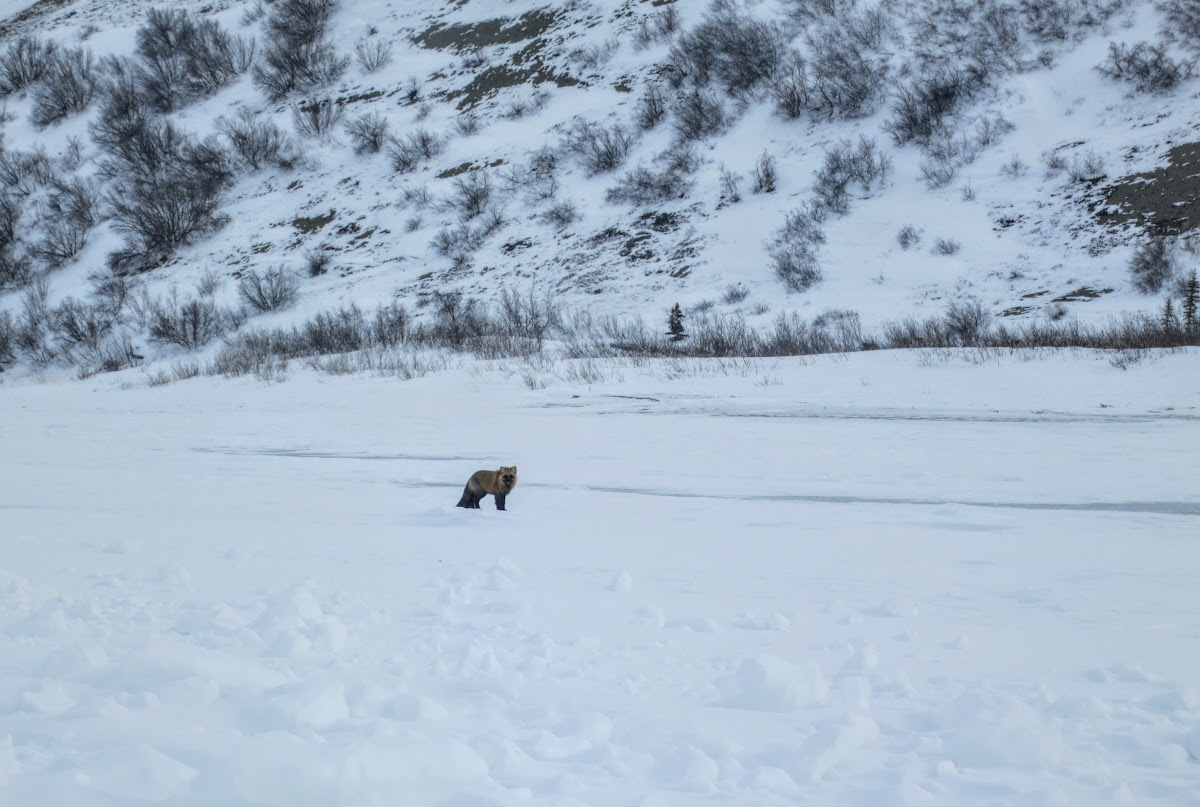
749	159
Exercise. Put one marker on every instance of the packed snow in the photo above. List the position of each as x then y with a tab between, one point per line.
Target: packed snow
909	578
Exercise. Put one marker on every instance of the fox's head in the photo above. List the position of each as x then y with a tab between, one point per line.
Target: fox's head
508	475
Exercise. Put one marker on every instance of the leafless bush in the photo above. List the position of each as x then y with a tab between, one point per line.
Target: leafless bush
651	106
923	104
25	63
537	178
274	290
318	118
730	186
1181	22
372	54
416	147
368	132
16	270
1015	167
647	186
946	246
846	164
791	88
1146	66
990	129
560	215
529	315
656	28
938	173
168	192
734	294
190	324
297	55
472	194
793	248
22	172
258	142
1088	168
1055	163
908	237
8	346
764	175
32	333
74	201
698	114
467	124
61	241
848	81
68	86
600	148
1153	265
185	57
736	50
318	261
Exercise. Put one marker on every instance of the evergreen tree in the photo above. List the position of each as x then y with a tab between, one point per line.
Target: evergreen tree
1191	300
1170	322
675	324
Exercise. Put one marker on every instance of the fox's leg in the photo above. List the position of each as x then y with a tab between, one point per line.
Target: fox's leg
500	501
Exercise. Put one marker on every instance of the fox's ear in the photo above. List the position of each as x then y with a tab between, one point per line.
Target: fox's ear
514	469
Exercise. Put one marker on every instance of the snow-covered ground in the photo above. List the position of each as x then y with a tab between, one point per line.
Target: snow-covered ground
884	579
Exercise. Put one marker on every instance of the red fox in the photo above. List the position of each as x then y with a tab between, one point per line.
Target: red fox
498	483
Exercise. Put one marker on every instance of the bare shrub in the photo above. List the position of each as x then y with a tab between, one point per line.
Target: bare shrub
74	201
652	106
908	237
938	173
185	57
273	290
1055	163
698	114
848	164
1015	167
1146	66
792	89
368	132
467	124
318	261
190	324
847	80
472	194
8	346
61	241
793	248
560	215
656	28
923	104
297	55
16	271
166	193
1181	22
1088	168
25	63
967	321
764	177
647	186
734	294
416	147
68	86
32	334
372	54
258	142
530	315
733	49
318	118
600	148
1153	265
730	186
946	246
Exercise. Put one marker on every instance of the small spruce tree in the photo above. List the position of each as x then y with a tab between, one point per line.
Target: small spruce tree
1191	301
675	328
1170	321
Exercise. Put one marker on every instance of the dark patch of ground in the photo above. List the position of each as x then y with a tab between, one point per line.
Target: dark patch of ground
311	224
1081	294
500	31
1165	201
